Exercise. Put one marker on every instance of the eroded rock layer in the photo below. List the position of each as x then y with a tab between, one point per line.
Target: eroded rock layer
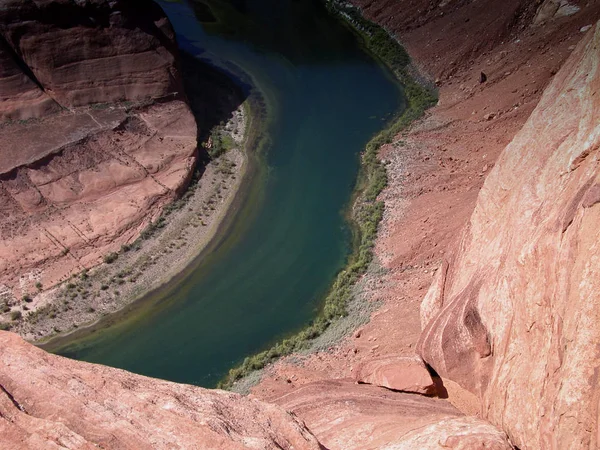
84	199
50	402
104	136
348	416
78	53
518	319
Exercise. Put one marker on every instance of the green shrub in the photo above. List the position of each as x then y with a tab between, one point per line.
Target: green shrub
15	315
110	258
4	326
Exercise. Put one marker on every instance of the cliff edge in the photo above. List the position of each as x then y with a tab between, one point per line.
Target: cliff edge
50	402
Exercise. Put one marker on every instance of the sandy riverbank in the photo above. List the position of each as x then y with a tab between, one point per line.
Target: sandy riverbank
164	250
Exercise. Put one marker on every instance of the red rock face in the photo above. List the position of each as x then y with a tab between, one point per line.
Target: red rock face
348	416
90	195
79	53
78	182
20	97
47	401
398	373
518	317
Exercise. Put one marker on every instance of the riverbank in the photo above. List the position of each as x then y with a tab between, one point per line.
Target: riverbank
163	250
435	170
364	213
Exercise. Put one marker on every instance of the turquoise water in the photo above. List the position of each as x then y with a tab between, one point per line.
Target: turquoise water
326	99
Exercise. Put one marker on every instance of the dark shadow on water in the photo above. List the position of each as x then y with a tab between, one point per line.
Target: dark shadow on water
291	28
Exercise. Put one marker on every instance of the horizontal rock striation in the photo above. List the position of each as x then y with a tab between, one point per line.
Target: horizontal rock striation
517	319
85	198
51	402
104	136
77	53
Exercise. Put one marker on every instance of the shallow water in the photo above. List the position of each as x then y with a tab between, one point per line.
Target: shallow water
326	99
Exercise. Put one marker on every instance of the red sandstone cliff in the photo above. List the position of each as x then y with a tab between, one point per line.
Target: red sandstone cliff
78	181
78	53
515	318
50	402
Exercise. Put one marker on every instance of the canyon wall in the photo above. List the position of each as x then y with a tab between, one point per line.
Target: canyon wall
50	402
515	317
78	53
96	134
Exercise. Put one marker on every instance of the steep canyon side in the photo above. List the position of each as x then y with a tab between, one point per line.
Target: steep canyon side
50	402
96	135
517	321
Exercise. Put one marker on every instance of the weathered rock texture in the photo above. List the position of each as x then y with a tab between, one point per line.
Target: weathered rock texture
398	373
519	319
77	181
348	416
50	402
78	53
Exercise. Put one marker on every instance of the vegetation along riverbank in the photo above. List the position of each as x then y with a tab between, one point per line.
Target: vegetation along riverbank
366	211
228	136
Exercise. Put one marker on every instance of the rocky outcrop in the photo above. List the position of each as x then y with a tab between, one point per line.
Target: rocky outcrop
48	402
519	319
398	373
104	138
78	53
68	203
348	416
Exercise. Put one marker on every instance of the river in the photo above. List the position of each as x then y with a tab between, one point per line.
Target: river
326	98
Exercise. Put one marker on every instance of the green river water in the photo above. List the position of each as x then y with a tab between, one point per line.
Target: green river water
326	98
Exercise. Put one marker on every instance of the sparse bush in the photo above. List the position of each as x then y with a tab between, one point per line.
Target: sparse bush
110	258
27	298
16	315
4	326
38	286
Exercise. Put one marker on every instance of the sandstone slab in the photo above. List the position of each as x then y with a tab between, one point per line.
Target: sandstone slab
345	415
51	402
406	374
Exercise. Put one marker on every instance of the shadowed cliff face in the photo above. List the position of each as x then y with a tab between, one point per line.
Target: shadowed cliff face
518	319
77	53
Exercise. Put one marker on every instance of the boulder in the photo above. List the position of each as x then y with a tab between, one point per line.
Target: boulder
399	373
